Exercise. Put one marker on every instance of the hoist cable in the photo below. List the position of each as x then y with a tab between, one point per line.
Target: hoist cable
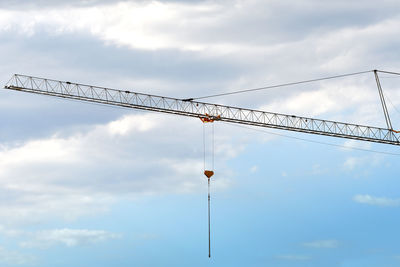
212	155
209	196
281	85
209	220
204	147
208	179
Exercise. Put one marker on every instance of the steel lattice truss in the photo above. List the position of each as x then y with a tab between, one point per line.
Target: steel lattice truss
198	109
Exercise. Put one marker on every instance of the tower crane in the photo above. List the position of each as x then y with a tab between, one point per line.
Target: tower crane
209	112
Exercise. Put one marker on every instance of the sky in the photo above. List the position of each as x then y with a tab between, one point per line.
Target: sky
93	185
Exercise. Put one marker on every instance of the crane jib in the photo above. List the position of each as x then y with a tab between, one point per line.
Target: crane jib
188	107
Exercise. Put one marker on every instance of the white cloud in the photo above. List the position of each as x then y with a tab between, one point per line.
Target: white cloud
209	26
143	25
328	98
10	232
128	124
322	244
376	201
349	144
254	169
87	171
70	175
11	257
68	237
317	169
354	162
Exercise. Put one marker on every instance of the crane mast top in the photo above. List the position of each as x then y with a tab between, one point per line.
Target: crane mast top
205	111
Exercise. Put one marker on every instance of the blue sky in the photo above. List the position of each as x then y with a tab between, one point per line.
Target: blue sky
91	185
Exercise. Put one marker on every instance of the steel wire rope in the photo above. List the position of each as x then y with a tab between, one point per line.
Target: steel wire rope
393	73
208	180
209	193
313	141
388	77
249	128
279	85
388	72
204	148
213	142
209	220
391	103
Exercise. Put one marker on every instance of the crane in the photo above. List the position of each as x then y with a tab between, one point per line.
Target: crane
208	112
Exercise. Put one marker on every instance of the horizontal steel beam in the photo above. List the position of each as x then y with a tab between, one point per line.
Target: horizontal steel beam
199	109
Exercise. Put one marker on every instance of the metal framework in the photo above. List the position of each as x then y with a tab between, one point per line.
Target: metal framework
382	98
200	110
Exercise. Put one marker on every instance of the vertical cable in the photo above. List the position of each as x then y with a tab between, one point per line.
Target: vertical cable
204	147
212	146
209	173
209	224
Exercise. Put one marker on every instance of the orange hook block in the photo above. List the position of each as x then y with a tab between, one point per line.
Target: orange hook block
208	173
209	118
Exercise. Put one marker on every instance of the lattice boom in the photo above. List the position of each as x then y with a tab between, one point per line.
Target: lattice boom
199	109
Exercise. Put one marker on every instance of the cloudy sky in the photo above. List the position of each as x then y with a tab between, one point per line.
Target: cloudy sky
92	185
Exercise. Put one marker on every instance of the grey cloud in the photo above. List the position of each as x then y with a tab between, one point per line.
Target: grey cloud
22	4
87	171
81	58
274	43
277	22
26	116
